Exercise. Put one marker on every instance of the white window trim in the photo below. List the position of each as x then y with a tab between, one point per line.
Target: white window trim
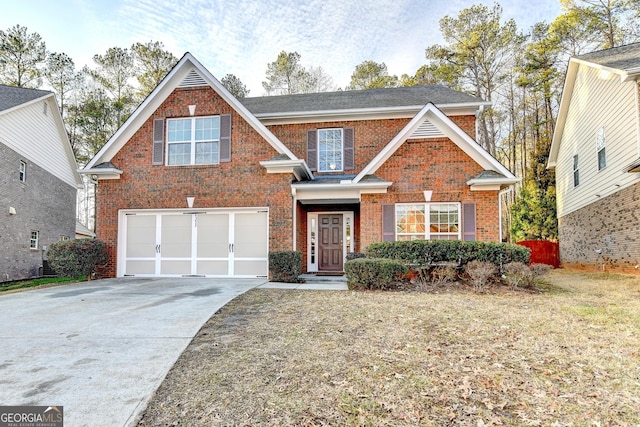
192	143
341	150
36	240
23	171
428	234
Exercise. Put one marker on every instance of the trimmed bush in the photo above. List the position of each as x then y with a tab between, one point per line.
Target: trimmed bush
285	266
518	274
480	274
373	273
75	258
429	252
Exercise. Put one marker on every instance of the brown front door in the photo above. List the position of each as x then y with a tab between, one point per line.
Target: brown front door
330	247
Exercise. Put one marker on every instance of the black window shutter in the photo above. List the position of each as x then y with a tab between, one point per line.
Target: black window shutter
225	138
312	149
469	221
348	147
158	142
388	223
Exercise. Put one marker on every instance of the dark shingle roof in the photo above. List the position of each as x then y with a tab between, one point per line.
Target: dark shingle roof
359	99
11	96
621	58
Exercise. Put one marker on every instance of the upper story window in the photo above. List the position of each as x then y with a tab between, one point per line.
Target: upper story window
23	171
330	153
193	141
330	149
601	149
576	171
430	221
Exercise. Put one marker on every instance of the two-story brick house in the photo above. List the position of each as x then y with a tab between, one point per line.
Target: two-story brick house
197	182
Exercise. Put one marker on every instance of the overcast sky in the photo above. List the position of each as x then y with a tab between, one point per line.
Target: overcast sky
242	36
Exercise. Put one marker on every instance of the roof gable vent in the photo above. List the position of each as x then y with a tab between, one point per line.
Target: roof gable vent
427	130
193	79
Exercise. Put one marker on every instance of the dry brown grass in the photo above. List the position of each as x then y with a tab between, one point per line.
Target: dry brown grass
568	357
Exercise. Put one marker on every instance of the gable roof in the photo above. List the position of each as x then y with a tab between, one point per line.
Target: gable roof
624	58
11	96
187	72
623	61
443	123
13	99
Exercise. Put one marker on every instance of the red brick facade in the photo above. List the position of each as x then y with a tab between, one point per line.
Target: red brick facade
418	165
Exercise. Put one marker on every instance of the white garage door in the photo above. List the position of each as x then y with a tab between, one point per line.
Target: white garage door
203	243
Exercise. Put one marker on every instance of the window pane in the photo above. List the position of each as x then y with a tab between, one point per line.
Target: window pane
410	222
602	159
207	129
207	153
444	221
179	154
179	130
330	150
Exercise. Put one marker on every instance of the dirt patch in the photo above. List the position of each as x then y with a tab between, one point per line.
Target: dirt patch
281	357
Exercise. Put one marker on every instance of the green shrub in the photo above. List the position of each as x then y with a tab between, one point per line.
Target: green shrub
355	255
428	252
74	258
373	273
285	266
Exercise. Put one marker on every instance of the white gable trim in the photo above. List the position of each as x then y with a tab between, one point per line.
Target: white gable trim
449	129
173	80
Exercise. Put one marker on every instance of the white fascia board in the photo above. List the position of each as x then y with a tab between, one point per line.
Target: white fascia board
338	191
378	113
161	93
565	101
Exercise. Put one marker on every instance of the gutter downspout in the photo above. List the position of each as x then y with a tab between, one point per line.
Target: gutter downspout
500	194
295	218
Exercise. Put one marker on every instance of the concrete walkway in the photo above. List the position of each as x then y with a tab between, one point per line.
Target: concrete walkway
100	349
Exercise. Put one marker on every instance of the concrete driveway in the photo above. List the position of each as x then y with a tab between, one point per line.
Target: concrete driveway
101	348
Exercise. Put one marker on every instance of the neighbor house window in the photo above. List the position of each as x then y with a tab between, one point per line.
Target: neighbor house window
429	221
193	141
23	172
330	150
63	238
35	236
576	171
601	149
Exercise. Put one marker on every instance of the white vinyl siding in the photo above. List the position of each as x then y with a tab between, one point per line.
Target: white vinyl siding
598	101
28	125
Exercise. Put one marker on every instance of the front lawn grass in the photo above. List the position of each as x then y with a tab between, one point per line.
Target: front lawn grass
39	282
273	357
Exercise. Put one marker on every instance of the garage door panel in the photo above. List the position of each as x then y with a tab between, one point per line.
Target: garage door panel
250	268
213	236
173	267
213	268
140	267
141	236
251	237
176	236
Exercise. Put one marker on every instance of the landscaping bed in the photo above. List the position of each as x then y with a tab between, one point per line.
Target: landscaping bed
568	354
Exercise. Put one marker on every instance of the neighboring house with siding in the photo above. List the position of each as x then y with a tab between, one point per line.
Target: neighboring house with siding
596	156
197	182
39	180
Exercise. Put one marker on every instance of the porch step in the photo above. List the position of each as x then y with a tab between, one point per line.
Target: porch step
312	278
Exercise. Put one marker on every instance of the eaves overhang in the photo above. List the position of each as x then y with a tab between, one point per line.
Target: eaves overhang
491	184
343	190
297	167
102	173
377	113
